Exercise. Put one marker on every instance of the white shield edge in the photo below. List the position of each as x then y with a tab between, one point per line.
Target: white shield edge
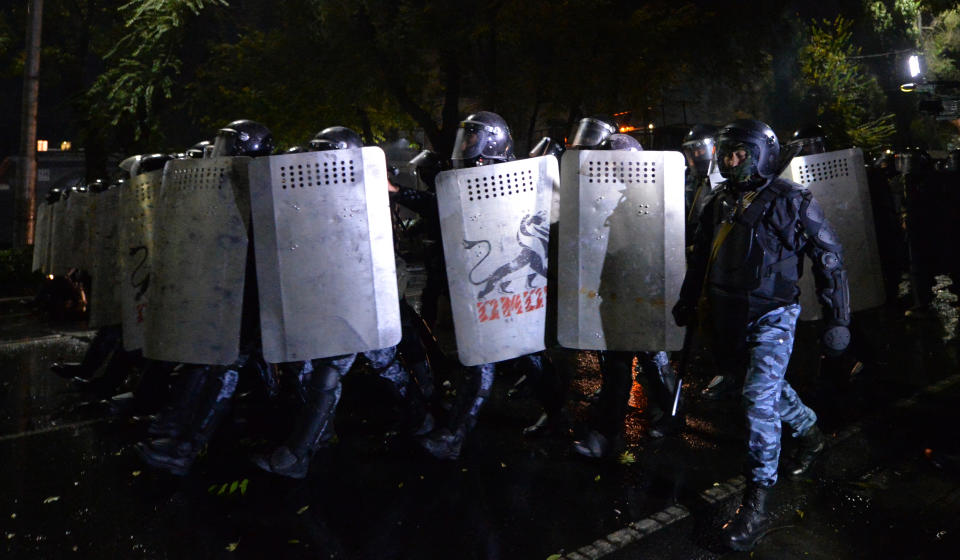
196	292
303	328
42	226
138	199
105	307
582	205
845	200
524	334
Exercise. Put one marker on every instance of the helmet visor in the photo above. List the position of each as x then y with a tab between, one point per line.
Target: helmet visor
699	154
471	140
590	133
225	144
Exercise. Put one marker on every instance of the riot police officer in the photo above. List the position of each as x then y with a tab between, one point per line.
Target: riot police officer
655	375
322	387
209	389
743	278
482	139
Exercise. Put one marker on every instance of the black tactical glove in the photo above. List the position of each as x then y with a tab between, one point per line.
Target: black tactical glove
835	340
683	313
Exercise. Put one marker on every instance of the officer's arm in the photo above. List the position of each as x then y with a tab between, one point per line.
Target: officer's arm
421	202
823	248
699	257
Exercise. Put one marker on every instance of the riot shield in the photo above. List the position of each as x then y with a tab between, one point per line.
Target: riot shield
42	230
105	260
71	234
137	199
324	253
199	261
838	181
495	222
621	249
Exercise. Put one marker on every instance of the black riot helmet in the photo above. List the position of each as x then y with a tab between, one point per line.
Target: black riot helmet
759	142
912	161
196	151
427	165
621	142
885	163
699	147
96	186
482	139
811	140
53	195
150	163
592	131
243	138
547	147
336	138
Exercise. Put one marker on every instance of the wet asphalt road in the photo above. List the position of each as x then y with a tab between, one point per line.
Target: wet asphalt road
73	487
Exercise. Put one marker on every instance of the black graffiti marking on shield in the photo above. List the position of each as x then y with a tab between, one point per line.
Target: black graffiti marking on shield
533	235
140	279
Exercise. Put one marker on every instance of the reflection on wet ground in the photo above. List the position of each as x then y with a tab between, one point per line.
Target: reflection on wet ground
72	483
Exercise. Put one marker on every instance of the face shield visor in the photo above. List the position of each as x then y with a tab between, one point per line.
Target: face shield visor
473	139
699	155
590	133
227	141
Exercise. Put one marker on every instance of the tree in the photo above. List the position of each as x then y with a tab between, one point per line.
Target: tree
845	97
143	66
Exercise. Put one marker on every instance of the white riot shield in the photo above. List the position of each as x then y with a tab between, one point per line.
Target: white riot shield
323	242
838	181
138	199
495	222
199	261
59	230
105	260
72	234
622	257
42	230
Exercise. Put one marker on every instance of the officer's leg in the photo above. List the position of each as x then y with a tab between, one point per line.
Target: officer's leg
417	420
770	343
412	350
177	455
803	421
471	395
550	385
659	382
610	409
292	459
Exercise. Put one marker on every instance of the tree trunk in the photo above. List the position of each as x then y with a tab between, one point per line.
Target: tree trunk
25	198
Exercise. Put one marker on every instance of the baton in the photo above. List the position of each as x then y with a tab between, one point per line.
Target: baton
684	364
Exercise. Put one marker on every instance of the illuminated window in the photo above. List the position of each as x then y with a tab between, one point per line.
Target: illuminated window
41	145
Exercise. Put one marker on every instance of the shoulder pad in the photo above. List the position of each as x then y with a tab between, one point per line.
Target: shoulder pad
787	187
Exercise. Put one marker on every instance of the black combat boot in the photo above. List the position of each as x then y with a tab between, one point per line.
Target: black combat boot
105	341
594	446
812	445
177	415
176	456
751	520
548	425
292	459
313	424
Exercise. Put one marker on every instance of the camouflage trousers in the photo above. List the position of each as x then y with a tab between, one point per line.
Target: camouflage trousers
767	397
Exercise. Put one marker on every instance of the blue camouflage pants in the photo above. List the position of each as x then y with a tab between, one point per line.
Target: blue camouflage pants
767	397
